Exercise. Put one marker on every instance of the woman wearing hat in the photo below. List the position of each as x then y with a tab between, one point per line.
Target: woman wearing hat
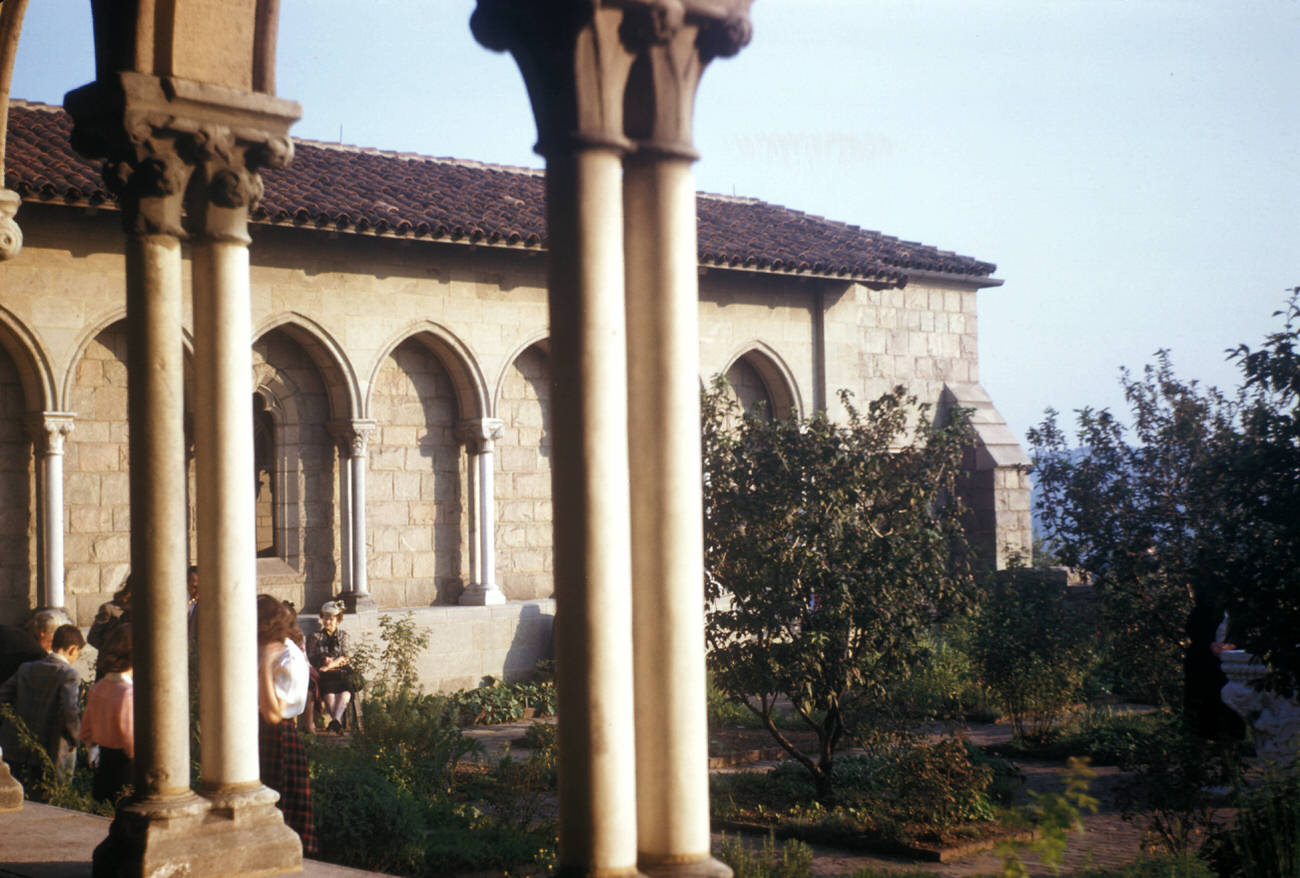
327	650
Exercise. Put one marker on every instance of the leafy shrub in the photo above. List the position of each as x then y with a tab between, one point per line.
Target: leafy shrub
35	770
391	667
499	702
1157	866
1032	649
365	817
790	860
1264	841
937	786
1171	772
946	685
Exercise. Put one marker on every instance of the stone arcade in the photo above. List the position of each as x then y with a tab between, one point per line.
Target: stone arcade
376	391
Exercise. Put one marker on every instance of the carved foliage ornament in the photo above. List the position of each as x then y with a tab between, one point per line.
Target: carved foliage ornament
651	24
724	38
11	237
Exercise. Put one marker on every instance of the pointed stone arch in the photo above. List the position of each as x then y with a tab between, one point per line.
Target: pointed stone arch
523	484
331	361
26	388
300	389
773	374
28	355
456	358
540	340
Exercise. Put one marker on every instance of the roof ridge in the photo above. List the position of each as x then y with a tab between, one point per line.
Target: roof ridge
419	157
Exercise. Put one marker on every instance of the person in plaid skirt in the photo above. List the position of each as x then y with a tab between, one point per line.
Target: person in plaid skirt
283	675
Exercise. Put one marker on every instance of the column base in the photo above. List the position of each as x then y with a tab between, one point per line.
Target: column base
359	603
481	596
703	867
11	791
188	835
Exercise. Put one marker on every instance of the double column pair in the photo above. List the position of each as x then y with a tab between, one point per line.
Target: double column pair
172	145
612	87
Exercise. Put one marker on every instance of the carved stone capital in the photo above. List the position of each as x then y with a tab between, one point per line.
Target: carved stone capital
49	430
11	237
574	63
674	41
158	132
480	433
353	435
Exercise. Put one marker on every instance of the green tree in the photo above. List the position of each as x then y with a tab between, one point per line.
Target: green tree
1194	511
1259	470
831	549
1135	509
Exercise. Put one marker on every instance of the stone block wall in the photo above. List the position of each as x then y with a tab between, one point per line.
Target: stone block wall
523	479
415	485
467	644
97	497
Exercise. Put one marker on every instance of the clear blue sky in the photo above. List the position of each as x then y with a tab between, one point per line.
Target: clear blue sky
1132	166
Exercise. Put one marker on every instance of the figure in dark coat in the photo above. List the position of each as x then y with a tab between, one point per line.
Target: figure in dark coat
44	695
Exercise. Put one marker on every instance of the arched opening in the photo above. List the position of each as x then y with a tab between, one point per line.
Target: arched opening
296	471
17	497
523	478
264	477
761	387
415	484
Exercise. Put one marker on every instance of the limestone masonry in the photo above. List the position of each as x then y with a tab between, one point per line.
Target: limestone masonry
400	346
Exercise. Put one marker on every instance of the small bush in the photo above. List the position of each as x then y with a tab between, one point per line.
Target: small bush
500	702
946	685
1171	772
1032	649
1157	866
1264	841
365	817
790	860
938	786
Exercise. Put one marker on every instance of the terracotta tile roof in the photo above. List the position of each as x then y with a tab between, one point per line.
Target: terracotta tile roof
368	191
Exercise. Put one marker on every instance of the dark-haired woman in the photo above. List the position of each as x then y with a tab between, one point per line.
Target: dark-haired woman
283	675
109	719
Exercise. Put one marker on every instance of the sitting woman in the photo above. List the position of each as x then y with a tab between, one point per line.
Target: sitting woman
109	719
327	650
283	673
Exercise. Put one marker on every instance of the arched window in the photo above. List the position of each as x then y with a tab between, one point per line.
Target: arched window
264	477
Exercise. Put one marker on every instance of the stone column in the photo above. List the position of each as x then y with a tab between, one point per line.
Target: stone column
146	171
575	68
480	437
50	431
217	206
355	437
165	138
664	434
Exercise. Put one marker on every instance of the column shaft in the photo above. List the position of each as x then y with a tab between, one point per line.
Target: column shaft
480	438
597	820
227	545
345	517
486	517
53	526
667	530
358	463
155	410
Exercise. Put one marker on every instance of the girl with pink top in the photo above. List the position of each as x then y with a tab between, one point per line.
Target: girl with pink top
109	718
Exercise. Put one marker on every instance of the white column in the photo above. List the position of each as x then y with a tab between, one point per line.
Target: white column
480	437
659	238
354	438
50	431
227	542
